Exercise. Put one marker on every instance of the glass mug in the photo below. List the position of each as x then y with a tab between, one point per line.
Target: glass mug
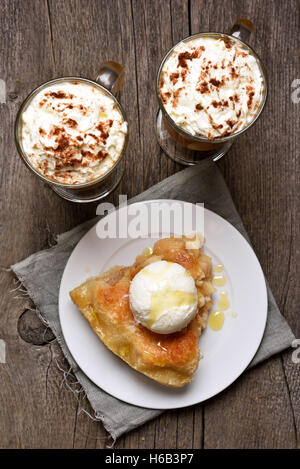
109	80
189	149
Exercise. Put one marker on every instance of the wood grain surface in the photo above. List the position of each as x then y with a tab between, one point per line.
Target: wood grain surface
40	406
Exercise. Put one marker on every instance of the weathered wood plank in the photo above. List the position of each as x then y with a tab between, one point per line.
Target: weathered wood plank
30	413
261	170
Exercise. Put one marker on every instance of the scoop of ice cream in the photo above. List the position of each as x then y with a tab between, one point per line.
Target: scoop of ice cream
163	297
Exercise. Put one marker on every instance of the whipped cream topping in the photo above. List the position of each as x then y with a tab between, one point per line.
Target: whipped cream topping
211	87
72	132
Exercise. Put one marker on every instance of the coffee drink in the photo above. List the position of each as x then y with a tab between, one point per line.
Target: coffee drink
211	87
72	132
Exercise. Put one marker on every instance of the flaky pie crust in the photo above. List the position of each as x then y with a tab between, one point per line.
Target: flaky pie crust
170	359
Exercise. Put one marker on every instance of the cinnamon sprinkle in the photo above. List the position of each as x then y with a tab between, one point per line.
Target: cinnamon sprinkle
216	83
99	156
198	107
86	153
184	56
203	87
104	129
230	123
183	74
176	97
250	94
165	97
59	94
71	123
242	53
223	103
56	131
233	73
174	77
227	43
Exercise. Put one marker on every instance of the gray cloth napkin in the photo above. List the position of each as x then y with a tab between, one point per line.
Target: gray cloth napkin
40	274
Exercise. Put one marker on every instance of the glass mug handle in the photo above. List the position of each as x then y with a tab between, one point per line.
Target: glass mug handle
242	29
110	76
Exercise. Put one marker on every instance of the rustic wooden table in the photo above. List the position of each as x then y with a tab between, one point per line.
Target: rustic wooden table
42	39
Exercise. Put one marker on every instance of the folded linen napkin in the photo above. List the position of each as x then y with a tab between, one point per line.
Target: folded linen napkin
40	274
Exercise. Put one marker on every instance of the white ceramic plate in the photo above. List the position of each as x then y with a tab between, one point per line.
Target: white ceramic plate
226	352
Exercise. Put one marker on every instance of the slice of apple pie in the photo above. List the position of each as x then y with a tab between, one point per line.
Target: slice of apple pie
170	359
